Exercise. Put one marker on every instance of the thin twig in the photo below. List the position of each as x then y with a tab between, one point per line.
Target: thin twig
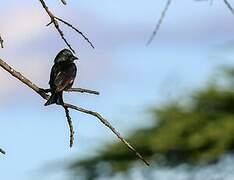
1	42
54	20
159	22
75	29
2	151
38	90
69	121
56	24
107	124
80	90
229	6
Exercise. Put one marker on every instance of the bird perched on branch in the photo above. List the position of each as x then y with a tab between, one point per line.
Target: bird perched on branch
62	76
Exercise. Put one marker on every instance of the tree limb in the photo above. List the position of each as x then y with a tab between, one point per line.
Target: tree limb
39	91
54	20
82	90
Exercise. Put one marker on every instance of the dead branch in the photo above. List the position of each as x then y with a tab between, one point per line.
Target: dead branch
107	124
1	41
229	6
2	151
39	91
75	29
159	22
69	121
56	24
163	14
54	20
82	90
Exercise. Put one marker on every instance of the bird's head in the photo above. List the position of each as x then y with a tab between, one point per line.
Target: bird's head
65	56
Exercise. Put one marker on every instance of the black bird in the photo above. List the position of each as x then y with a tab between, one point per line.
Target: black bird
62	76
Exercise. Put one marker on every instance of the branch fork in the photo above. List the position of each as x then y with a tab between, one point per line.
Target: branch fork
55	20
67	106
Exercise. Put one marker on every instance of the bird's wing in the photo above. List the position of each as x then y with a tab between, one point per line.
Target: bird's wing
53	74
64	79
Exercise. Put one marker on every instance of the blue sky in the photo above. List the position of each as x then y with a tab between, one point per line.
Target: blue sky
194	39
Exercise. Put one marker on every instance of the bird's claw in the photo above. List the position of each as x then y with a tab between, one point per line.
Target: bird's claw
44	90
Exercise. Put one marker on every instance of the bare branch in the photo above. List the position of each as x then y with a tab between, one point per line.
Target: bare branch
229	6
69	121
75	29
56	24
107	124
1	42
82	90
38	90
159	22
2	151
54	20
64	2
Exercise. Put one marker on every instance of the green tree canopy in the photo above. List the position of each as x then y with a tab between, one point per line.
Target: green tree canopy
196	132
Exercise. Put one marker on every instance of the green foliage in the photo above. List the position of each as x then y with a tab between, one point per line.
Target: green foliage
197	132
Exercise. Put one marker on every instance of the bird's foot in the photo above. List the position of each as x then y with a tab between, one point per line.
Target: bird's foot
44	90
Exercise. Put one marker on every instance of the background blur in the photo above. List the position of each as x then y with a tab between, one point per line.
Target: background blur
196	38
